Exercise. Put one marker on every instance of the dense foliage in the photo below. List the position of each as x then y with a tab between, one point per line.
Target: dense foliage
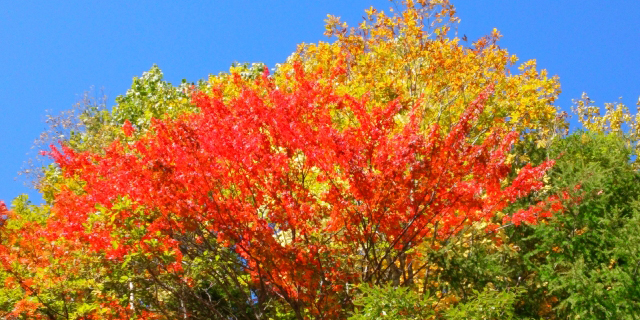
395	173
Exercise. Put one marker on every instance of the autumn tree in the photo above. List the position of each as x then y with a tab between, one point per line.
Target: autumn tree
411	54
310	208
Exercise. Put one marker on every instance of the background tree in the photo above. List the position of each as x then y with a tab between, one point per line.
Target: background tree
584	262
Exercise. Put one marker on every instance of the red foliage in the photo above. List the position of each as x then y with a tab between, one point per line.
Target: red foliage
305	202
128	128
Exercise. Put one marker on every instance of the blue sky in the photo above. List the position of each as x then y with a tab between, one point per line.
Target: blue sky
52	53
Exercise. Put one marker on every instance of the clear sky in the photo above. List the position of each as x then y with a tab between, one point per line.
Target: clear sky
53	51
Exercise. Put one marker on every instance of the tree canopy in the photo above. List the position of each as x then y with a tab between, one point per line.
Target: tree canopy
395	173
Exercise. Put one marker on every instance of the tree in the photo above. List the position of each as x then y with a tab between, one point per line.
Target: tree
617	120
584	262
311	208
410	54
